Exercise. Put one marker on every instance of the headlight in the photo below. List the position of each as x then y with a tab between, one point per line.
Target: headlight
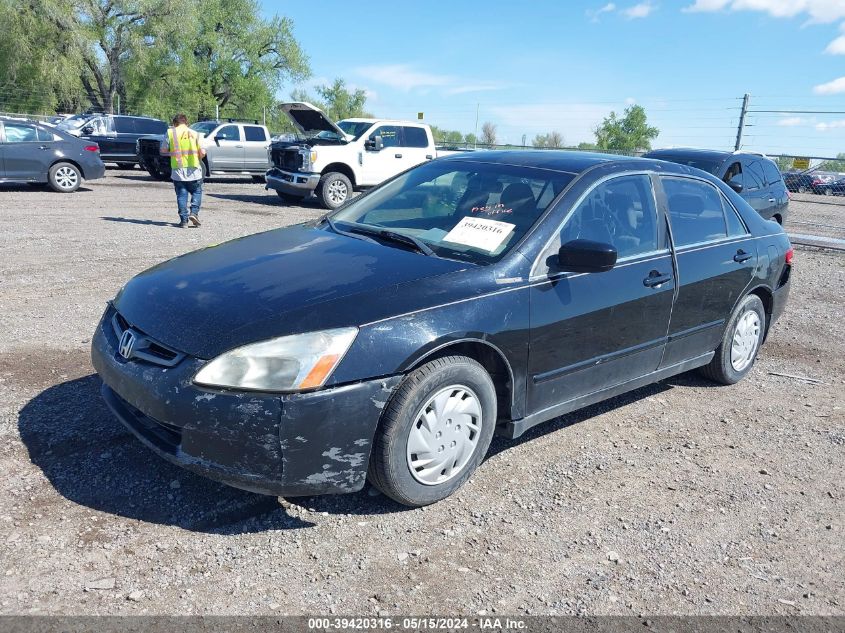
288	363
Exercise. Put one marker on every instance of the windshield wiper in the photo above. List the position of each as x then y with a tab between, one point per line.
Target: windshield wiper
334	227
393	236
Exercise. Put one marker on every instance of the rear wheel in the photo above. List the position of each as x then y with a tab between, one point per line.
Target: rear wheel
742	339
65	177
802	189
126	165
827	191
333	190
159	174
434	432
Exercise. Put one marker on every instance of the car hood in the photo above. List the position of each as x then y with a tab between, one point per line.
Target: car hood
309	119
270	284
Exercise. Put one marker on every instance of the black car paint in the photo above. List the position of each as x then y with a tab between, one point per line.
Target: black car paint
31	161
119	144
770	200
555	342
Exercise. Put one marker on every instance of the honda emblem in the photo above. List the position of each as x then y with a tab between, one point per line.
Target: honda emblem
127	344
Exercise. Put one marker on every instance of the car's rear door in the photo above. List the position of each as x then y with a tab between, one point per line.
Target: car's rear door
715	256
415	146
256	143
592	331
778	198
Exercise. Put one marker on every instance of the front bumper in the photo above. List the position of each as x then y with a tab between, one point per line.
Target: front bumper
291	444
291	182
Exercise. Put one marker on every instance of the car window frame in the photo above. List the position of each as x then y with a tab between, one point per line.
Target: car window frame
541	270
403	141
257	127
375	133
756	175
224	126
706	243
5	140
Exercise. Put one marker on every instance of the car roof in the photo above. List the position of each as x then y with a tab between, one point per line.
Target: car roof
690	152
557	160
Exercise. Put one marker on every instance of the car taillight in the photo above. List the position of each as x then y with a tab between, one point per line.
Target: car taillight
92	148
789	255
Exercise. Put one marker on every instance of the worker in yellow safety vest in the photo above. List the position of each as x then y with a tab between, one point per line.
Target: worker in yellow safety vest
183	145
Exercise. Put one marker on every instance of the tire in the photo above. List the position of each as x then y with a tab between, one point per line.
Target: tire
802	189
333	190
65	177
441	384
289	197
827	191
126	165
206	172
259	179
158	175
734	357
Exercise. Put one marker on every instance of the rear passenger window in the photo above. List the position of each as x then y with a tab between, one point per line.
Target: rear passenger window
772	172
20	133
735	224
124	125
45	135
254	133
695	211
620	212
414	137
754	178
150	126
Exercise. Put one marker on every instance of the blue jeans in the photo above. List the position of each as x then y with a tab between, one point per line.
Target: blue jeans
183	188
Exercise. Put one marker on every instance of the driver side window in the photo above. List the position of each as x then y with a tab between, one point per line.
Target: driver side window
389	135
620	212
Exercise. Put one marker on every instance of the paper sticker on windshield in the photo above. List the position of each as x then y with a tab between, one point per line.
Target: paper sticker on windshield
481	233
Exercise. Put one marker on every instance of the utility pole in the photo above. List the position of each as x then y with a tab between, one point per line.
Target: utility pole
476	125
523	140
741	125
217	110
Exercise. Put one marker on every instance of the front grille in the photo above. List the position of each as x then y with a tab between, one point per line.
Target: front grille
164	436
145	348
149	147
286	159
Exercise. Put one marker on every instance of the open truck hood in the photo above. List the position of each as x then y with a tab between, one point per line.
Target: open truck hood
310	120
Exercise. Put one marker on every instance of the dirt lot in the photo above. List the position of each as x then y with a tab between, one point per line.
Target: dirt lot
682	497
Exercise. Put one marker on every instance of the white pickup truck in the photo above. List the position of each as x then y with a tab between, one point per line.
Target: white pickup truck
334	159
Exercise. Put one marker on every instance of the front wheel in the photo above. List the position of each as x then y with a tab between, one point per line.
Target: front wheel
65	177
736	354
434	432
126	165
333	190
802	189
827	191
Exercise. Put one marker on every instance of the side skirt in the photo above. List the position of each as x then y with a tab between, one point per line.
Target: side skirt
516	428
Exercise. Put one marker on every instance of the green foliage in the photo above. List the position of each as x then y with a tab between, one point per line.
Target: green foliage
470	139
447	137
550	140
587	147
630	133
336	101
837	165
155	57
784	163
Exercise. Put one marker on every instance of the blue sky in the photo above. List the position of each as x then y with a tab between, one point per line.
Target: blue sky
538	66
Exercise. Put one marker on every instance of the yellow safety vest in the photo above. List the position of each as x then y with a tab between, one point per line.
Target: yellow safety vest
184	147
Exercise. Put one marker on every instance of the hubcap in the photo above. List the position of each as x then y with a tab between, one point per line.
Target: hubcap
66	177
444	435
337	191
746	340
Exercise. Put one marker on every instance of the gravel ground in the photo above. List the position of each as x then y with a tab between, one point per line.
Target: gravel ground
679	498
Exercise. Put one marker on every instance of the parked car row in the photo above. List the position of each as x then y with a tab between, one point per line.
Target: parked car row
815	182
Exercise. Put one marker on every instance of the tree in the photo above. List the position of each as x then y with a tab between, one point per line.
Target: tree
587	147
784	163
488	133
629	134
471	139
837	165
551	140
449	137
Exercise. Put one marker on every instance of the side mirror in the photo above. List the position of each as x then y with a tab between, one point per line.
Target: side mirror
586	256
375	144
87	130
735	185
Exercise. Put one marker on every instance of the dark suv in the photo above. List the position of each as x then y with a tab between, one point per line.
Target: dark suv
115	134
753	176
36	154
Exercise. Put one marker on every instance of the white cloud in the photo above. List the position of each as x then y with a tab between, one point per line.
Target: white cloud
594	14
821	127
835	87
481	86
791	121
641	10
630	101
837	46
824	11
404	77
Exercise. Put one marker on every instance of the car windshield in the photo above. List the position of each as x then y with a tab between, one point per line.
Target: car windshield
470	211
204	127
74	122
352	128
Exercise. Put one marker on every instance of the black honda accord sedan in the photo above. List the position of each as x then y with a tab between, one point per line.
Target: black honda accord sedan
478	293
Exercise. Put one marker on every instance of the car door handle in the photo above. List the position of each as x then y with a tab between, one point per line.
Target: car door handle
656	279
43	147
428	156
240	146
397	156
772	200
742	256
